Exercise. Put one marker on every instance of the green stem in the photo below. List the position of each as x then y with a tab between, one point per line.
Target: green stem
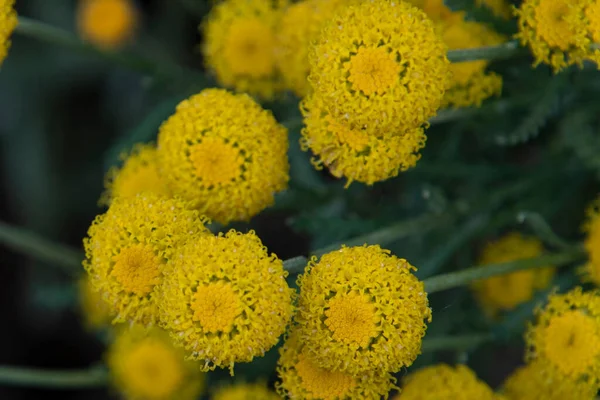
36	246
501	51
53	379
469	275
463	342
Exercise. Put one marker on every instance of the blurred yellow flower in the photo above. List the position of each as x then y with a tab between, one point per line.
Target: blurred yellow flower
225	299
225	154
245	391
437	10
144	365
500	8
107	23
95	311
505	292
127	249
8	22
361	309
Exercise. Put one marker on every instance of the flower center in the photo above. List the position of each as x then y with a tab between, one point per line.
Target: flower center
552	22
323	384
216	306
249	48
373	70
351	319
456	37
216	162
153	370
572	342
592	13
137	269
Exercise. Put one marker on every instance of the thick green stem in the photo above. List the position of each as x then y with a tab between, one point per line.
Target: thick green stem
469	275
501	51
455	342
53	379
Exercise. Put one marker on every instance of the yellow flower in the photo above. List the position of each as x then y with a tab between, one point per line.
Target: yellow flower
138	174
95	311
471	83
505	292
361	309
354	153
443	382
128	247
240	45
299	27
106	23
245	391
437	10
225	299
225	154
500	8
8	22
536	381
592	243
144	365
301	378
566	336
379	65
556	31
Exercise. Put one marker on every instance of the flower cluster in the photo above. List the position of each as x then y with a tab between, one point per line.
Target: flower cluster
8	22
107	23
505	292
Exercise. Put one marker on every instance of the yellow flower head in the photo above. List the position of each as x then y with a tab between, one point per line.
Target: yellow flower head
299	26
301	378
361	309
95	311
138	174
380	65
107	23
443	382
240	45
500	8
354	153
505	292
592	243
566	336
245	391
8	22
225	154
128	247
471	83
225	299
144	365
536	381
556	31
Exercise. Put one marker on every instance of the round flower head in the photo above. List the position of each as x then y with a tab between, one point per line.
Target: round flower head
556	31
8	22
592	243
505	292
95	311
500	8
138	174
128	247
380	65
225	299
245	391
225	154
535	381
361	309
240	45
566	336
471	83
301	378
106	23
144	365
443	382
354	153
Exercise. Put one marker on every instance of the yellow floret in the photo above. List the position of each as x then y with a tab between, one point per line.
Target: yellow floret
301	378
225	299
144	365
361	309
505	292
379	65
128	247
107	23
566	336
138	174
8	22
536	381
355	153
225	154
95	311
245	391
443	382
240	45
592	243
